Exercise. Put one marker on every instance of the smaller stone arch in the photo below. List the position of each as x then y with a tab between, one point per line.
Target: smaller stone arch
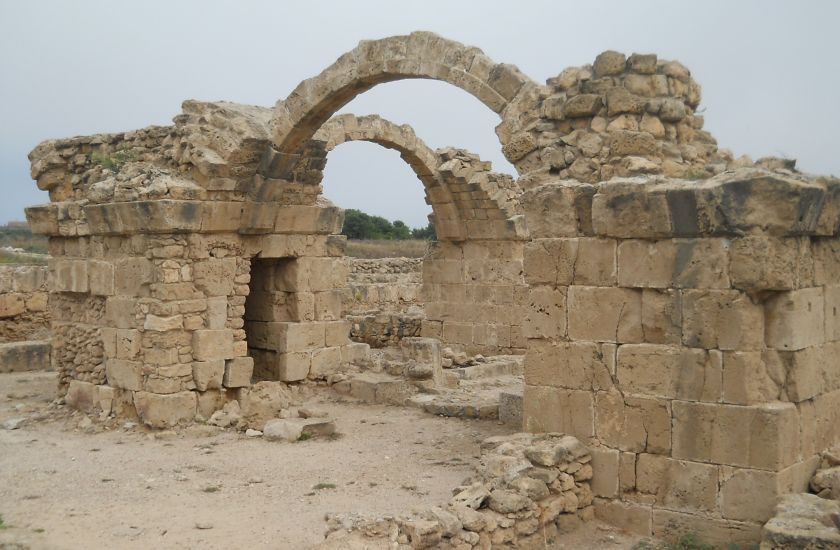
417	55
468	200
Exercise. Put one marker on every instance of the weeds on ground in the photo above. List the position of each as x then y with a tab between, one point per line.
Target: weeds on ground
305	436
3	524
689	542
212	489
319	486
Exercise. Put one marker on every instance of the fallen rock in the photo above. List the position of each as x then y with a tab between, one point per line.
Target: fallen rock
265	401
227	416
471	497
13	423
507	502
826	483
284	429
556	450
253	433
306	412
294	429
803	522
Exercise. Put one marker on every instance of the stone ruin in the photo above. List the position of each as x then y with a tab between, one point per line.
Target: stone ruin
676	306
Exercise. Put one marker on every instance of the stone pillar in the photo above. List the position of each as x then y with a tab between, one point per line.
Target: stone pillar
686	332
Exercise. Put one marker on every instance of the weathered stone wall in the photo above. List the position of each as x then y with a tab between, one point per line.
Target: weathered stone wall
685	331
386	284
23	303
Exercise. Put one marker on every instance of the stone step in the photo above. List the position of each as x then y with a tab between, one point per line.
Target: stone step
495	366
377	388
25	356
456	406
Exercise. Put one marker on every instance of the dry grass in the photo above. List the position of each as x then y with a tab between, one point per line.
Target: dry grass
387	249
13	258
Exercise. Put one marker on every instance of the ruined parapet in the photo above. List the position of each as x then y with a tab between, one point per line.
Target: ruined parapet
24	319
527	489
620	116
23	303
685	330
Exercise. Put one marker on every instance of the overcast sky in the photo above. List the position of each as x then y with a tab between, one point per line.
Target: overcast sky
770	72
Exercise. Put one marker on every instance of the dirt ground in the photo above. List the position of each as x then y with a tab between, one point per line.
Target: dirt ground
67	482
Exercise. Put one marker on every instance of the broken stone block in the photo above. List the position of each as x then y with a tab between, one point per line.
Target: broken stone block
208	374
238	372
165	410
293	429
803	522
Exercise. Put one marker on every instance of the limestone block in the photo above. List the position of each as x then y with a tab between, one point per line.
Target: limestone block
674	525
749	495
550	261
444	271
678	484
12	304
805	373
37	301
355	353
545	313
625	210
165	411
669	371
674	263
723	319
162	324
24	356
287	336
548	409
208	345
605	472
629	516
81	395
633	424
751	377
605	314
238	372
803	521
216	312
826	253
70	275
208	375
132	276
832	312
769	263
325	361
582	105
561	209
572	365
101	276
309	219
28	279
327	305
795	319
293	366
764	436
662	316
215	276
337	333
311	274
124	374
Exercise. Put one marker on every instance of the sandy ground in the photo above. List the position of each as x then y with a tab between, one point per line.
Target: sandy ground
67	483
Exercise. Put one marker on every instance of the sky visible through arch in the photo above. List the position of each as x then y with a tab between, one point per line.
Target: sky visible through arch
769	70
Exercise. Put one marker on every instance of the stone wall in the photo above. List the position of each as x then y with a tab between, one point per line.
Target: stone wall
385	284
685	331
23	303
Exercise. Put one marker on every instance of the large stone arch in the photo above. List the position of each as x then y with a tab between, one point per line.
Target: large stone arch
441	171
417	55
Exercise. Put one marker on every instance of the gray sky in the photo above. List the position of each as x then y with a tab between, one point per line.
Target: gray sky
770	72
